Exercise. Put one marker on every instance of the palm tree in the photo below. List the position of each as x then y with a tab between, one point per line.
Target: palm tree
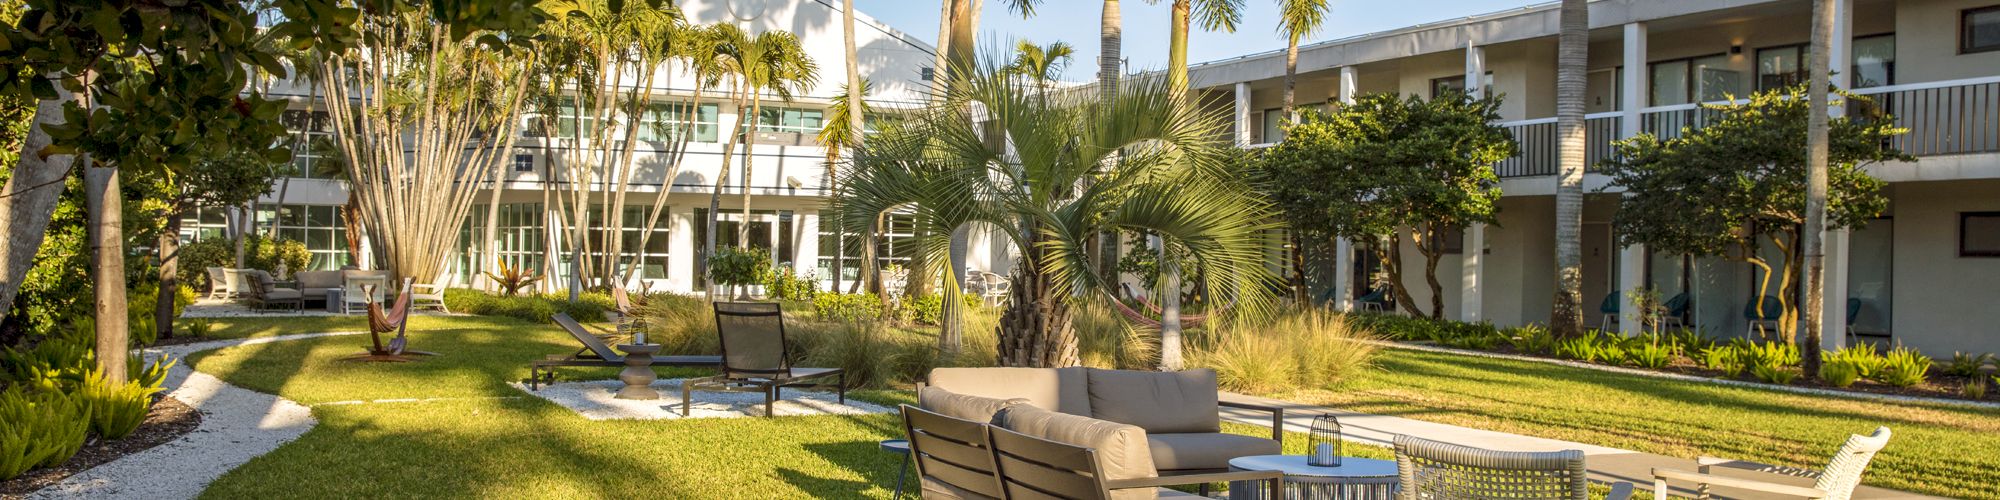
1215	15
1054	189
1040	63
1297	19
1572	56
1817	152
844	128
769	61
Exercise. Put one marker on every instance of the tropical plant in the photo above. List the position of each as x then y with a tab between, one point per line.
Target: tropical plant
1655	354
733	266
1531	339
116	411
1866	360
1057	186
1839	374
198	327
1974	389
1967	365
1724	358
1040	64
1572	63
784	284
44	429
771	61
850	307
1776	374
1297	19
1903	367
1214	15
512	279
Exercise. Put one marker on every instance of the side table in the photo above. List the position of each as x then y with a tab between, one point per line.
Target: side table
1355	478
638	374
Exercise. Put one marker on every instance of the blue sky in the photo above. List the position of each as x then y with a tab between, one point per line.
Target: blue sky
1145	25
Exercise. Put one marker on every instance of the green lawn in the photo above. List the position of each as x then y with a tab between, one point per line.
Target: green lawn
476	437
1937	449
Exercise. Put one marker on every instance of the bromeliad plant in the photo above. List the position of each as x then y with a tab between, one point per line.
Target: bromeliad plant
1052	172
513	279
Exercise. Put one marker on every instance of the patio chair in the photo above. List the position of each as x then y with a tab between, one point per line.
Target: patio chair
1608	312
241	283
998	289
1677	308
596	354
1853	309
1376	300
360	288
428	295
1767	319
1836	482
219	284
1429	469
952	457
1033	467
756	356
265	293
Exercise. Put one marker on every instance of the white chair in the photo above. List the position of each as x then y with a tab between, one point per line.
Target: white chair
1836	482
424	295
997	288
220	286
360	288
240	284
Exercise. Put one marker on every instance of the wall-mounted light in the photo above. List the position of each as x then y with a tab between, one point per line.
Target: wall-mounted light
1735	50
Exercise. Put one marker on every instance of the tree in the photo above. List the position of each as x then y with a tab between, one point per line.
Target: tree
1387	166
1814	230
1572	59
422	123
849	121
1056	190
1722	189
1040	64
229	179
770	61
1215	15
1297	19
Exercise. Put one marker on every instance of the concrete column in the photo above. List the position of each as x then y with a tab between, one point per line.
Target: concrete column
1350	85
680	250
1243	113
1840	57
1470	299
1833	305
1475	70
805	242
1631	282
1343	275
1634	82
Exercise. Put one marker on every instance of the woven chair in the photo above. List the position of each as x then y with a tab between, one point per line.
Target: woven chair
1034	468
1434	470
756	357
1836	482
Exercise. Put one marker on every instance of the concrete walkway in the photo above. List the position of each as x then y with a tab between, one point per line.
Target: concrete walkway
1606	464
237	425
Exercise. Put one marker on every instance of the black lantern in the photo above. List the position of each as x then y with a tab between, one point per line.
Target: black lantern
1326	442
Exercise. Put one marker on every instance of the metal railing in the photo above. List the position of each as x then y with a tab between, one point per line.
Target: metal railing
1944	118
1537	149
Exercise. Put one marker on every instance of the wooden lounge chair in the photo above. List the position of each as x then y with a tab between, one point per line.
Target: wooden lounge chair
756	356
595	353
1837	482
1431	469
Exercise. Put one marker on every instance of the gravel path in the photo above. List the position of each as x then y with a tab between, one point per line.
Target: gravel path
237	425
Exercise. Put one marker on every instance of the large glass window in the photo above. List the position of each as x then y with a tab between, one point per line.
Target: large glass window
1780	67
664	122
1695	79
1874	61
522	241
321	228
1440	86
1979	30
204	223
800	120
896	245
768	229
310	136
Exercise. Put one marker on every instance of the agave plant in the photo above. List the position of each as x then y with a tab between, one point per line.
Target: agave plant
1052	171
513	279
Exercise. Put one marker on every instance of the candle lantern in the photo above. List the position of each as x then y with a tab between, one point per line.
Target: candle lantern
1326	442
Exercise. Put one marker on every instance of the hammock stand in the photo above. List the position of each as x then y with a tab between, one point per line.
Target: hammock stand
396	319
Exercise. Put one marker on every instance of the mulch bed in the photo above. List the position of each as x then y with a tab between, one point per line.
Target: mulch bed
180	339
168	420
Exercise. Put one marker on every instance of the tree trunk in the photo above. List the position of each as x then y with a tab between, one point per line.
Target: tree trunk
1816	172
169	250
1301	292
1170	311
857	132
951	320
1291	81
940	70
1035	330
1110	39
715	196
29	199
1392	261
1572	56
750	155
107	249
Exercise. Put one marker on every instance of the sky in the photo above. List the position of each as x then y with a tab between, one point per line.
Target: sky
1146	26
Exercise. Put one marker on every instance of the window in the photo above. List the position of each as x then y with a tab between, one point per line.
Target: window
1979	234
321	228
310	135
804	121
1979	30
1780	67
664	122
1874	61
1439	86
1694	79
524	162
895	245
204	223
1274	130
520	239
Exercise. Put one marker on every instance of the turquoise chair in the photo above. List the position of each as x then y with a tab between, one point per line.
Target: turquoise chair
1376	300
1768	316
1609	310
1677	308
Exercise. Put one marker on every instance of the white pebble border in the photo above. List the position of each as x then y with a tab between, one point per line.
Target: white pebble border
1811	391
593	399
237	425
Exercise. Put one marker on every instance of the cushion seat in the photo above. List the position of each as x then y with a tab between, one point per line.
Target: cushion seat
1205	450
281	294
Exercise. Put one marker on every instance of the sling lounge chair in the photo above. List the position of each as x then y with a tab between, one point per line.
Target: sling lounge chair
1835	482
756	357
596	353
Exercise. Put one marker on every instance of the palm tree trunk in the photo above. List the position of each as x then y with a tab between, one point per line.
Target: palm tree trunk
749	155
1170	311
1291	78
1110	37
1177	43
941	68
107	244
856	124
1035	330
1572	55
1816	179
715	196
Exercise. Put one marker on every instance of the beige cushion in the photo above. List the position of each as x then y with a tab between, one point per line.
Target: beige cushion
1207	450
309	281
1159	402
963	406
1122	452
1063	390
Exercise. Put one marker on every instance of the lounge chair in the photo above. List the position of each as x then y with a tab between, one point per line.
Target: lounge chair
1432	469
219	284
951	454
428	295
1836	482
595	353
1100	460
756	356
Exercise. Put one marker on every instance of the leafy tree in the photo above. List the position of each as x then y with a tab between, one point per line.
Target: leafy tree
1721	189
771	61
1387	166
234	178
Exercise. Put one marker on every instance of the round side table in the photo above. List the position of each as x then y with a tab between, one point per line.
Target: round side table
899	447
1355	478
638	374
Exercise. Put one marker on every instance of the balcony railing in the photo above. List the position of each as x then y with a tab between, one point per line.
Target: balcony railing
1943	118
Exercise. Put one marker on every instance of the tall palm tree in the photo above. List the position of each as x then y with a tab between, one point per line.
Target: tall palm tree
852	107
1040	63
1572	56
1215	15
1817	152
1054	189
1297	19
772	61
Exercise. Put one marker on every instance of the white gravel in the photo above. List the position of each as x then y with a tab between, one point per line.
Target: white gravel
237	425
593	399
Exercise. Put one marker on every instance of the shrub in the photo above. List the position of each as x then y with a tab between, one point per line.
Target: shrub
198	327
273	255
783	284
143	302
1581	348
1531	339
738	266
1773	354
1780	375
117	411
1727	359
1967	365
1839	373
859	349
847	306
44	429
681	324
1312	349
1249	362
1104	340
1973	389
1655	355
1903	367
195	259
535	308
1611	352
1863	357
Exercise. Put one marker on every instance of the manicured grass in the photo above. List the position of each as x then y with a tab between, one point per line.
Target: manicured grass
1937	449
472	436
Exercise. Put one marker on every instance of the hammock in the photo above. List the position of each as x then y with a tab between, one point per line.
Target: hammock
1148	321
396	319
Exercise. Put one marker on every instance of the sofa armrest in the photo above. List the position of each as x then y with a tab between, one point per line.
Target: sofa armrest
1187	479
1662	476
1277	417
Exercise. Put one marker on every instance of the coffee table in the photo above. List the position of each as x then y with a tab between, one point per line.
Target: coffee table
1355	478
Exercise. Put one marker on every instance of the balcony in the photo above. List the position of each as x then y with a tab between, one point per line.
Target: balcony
1944	118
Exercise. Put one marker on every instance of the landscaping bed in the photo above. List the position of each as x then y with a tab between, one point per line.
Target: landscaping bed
168	420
